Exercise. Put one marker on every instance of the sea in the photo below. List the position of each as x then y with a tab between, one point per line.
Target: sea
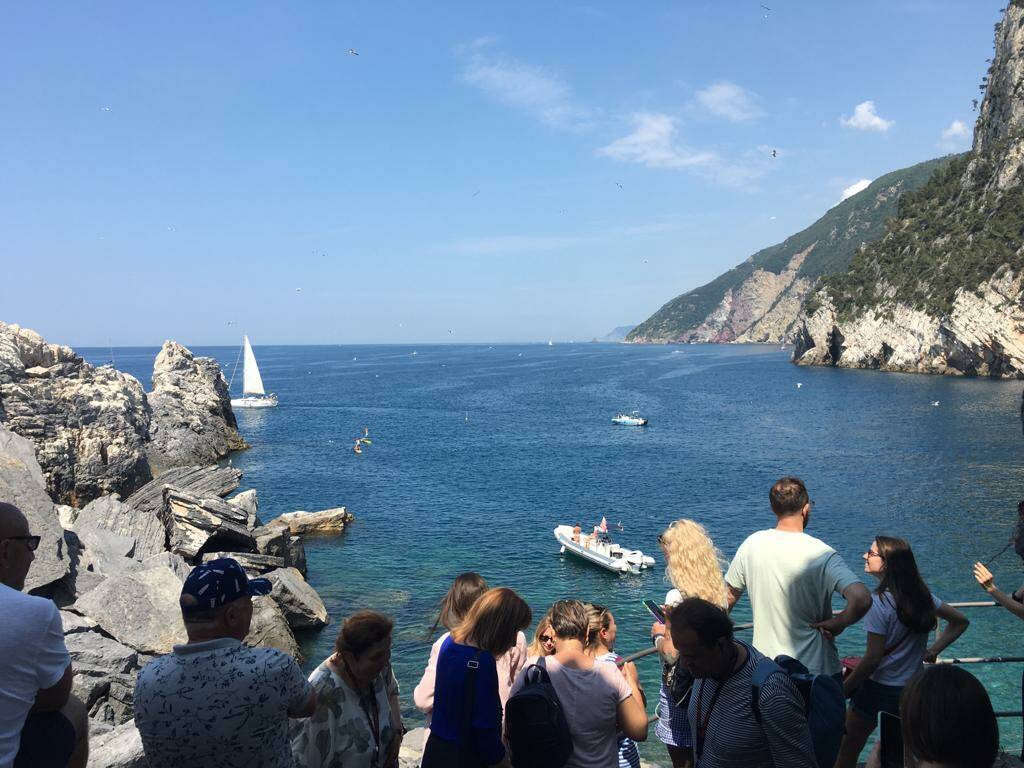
479	451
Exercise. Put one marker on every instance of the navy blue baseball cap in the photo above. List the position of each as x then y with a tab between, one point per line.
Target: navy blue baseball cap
219	582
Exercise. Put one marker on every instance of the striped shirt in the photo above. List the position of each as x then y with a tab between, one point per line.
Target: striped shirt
732	737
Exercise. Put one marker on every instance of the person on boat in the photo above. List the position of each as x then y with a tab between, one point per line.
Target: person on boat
453	608
490	630
357	448
358	721
576	530
728	732
598	701
602	632
790	578
903	611
946	719
543	641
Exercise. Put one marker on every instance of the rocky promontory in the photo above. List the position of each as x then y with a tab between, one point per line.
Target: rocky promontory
943	290
96	431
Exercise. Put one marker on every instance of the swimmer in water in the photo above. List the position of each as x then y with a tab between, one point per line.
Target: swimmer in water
357	448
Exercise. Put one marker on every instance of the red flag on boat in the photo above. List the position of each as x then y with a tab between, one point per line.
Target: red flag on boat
604	525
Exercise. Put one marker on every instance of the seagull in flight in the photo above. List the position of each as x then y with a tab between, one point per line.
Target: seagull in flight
298	290
104	109
476	193
617	184
775	153
352	51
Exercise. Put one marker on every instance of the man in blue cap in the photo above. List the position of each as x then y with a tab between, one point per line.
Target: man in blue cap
214	701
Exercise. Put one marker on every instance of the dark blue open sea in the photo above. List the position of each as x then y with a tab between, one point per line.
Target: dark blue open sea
478	452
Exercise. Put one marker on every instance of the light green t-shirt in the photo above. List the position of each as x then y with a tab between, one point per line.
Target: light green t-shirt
790	578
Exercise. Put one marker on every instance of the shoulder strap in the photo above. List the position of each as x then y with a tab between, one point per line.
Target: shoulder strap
537	673
764	669
469	695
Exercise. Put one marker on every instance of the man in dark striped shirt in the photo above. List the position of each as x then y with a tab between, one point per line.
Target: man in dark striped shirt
725	731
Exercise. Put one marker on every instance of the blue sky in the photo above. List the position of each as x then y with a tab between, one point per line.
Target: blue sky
478	172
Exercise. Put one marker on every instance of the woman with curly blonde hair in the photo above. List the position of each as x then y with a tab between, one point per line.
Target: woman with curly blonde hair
694	567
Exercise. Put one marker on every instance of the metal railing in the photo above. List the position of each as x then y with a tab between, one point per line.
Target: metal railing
953	660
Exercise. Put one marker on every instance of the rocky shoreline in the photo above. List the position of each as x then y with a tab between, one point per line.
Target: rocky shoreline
122	488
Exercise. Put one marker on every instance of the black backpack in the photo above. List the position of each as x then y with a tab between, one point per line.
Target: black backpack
538	733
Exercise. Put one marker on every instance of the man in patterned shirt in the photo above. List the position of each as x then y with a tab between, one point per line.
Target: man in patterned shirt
725	731
214	701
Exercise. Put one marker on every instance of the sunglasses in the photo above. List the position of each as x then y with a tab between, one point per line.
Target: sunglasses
547	638
31	542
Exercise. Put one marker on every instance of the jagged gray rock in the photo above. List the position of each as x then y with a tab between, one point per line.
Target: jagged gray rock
326	522
272	540
95	658
194	524
192	421
204	482
89	425
248	501
118	748
105	552
21	484
74	623
110	513
296	554
139	608
252	564
301	605
270	628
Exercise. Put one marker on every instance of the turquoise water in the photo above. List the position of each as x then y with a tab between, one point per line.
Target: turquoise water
478	452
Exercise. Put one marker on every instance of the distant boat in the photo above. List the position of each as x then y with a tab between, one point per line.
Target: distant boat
551	343
599	549
633	419
253	394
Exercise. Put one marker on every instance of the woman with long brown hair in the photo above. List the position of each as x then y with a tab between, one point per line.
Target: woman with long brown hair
466	726
903	611
693	565
455	606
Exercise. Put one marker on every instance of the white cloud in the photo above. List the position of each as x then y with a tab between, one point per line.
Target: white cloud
853	189
865	118
533	89
652	143
955	137
484	246
729	100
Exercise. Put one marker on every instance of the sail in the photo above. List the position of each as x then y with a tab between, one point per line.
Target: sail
252	383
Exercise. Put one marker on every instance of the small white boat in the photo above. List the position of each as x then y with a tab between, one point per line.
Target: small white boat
633	419
601	551
253	394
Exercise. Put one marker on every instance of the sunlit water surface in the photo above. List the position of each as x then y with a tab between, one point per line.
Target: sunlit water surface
478	452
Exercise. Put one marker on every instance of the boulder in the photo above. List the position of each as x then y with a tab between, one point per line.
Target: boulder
192	421
327	522
95	658
118	748
89	425
139	608
270	628
253	565
300	603
272	540
296	554
105	552
66	515
118	706
22	484
204	482
247	500
74	623
194	524
110	513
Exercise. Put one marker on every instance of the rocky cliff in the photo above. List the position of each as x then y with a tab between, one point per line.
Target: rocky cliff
94	429
760	299
943	290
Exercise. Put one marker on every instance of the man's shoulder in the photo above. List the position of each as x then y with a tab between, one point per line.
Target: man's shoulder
25	607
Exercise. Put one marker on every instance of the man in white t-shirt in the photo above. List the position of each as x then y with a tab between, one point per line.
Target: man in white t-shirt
790	578
41	724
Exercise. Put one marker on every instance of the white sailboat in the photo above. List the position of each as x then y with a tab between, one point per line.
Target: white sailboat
253	394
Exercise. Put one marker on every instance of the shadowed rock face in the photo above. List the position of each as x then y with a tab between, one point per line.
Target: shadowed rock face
95	430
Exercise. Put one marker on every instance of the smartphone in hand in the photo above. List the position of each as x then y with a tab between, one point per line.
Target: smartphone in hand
655	610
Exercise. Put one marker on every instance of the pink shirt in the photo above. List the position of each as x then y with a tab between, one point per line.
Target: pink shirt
508	665
590	699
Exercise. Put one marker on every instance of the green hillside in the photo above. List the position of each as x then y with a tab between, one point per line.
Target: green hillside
838	234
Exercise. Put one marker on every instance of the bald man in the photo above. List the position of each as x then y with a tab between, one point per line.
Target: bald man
41	724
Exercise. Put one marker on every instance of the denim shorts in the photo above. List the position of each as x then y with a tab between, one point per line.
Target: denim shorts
871	698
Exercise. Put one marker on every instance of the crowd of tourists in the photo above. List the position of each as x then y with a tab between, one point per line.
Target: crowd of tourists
566	699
